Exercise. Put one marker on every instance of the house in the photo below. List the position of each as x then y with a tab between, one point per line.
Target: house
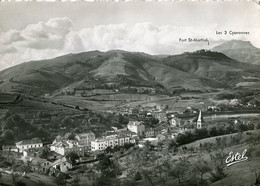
135	111
111	141
85	139
161	137
38	164
72	143
149	132
174	121
160	129
136	127
32	152
27	144
62	164
160	115
9	148
53	156
60	147
213	108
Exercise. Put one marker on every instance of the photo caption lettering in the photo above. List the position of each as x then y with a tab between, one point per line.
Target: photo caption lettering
232	33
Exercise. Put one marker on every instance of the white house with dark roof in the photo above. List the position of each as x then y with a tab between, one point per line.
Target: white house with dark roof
60	147
136	127
28	144
38	164
64	146
62	164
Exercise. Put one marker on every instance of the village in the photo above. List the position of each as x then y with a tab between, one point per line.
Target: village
72	149
53	157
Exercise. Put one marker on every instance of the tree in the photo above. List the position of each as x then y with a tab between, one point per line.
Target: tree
108	169
163	170
172	145
213	131
45	152
109	150
258	125
217	172
201	167
230	129
242	127
148	145
60	179
159	145
201	133
137	176
8	137
71	136
147	177
221	144
75	181
179	169
122	119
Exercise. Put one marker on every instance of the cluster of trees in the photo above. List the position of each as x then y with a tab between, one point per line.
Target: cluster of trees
119	148
109	170
190	173
76	122
143	167
188	137
14	128
243	96
150	121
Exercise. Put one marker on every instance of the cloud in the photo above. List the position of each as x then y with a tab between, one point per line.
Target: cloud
34	42
55	37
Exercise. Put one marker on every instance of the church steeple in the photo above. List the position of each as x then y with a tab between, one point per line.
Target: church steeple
199	121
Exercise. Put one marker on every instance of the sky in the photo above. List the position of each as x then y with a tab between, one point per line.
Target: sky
41	30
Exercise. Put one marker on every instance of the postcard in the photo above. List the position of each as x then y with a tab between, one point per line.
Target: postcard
147	93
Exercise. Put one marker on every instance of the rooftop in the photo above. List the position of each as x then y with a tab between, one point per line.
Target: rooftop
111	137
61	160
35	160
27	142
85	134
135	123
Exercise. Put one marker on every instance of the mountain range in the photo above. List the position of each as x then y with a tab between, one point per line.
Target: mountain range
200	70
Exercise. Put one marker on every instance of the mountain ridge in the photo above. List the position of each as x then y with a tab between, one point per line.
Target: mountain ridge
200	70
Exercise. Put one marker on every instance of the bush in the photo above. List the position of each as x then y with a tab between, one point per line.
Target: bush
217	174
137	176
20	183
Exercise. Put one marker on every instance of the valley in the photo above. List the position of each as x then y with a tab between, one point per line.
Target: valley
146	117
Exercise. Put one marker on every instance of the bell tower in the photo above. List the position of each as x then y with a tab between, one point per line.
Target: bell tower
199	121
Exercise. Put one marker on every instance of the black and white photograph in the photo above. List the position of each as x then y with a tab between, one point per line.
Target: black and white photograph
129	93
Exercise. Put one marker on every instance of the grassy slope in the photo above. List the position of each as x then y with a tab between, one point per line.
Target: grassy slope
31	179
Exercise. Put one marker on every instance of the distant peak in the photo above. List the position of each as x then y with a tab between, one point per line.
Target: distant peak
234	44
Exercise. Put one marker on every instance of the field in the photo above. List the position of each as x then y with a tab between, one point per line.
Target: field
104	102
